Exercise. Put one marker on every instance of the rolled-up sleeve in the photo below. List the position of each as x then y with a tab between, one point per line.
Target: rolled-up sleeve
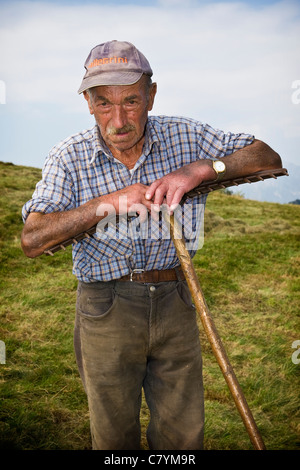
217	144
54	193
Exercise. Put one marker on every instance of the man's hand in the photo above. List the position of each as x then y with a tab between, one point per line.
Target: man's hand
170	188
130	200
124	199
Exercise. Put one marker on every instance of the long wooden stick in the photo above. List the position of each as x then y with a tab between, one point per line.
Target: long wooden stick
212	333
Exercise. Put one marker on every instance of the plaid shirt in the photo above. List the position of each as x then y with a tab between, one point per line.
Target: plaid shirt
81	168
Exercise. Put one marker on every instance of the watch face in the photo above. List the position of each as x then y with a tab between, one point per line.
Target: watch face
219	166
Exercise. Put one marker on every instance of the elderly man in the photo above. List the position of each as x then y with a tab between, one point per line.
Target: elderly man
135	323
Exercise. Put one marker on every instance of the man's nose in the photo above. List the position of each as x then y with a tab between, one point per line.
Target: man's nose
119	118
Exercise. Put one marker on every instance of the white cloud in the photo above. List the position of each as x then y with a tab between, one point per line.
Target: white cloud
225	63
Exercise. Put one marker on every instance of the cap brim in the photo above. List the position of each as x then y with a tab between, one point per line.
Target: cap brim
110	79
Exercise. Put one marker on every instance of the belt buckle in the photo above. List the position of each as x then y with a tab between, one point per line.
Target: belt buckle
135	271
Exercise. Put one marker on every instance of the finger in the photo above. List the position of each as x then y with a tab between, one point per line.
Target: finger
151	190
170	195
147	204
177	196
160	194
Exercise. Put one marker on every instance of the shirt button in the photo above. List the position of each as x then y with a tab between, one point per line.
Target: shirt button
152	288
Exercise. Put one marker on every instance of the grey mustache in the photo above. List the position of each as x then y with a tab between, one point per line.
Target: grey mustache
115	131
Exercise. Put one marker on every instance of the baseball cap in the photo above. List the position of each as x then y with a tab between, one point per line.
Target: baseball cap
114	63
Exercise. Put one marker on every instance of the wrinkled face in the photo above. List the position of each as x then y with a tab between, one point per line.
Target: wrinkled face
121	112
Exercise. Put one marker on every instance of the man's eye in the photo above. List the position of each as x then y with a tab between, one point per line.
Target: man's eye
131	103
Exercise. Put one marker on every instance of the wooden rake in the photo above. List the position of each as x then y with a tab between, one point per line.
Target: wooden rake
198	297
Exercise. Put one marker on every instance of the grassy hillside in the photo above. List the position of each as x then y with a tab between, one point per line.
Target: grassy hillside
249	272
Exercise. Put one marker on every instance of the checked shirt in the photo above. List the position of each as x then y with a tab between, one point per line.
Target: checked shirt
82	167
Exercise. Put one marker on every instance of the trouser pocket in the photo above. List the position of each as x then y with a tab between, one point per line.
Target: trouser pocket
96	300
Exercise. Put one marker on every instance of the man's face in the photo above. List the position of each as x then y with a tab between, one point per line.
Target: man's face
121	113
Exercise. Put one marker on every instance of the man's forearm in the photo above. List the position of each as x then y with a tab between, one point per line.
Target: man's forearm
257	156
42	230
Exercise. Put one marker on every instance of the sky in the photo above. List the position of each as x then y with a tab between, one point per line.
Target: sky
232	64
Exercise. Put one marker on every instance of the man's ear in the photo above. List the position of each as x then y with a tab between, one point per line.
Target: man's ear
89	101
152	94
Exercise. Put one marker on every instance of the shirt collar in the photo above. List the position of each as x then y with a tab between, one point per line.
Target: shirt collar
99	145
150	137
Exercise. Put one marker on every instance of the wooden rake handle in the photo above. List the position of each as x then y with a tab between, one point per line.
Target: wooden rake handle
212	333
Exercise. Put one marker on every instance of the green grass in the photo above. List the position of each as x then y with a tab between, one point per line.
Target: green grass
249	273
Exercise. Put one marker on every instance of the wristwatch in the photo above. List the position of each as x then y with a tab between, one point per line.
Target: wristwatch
220	169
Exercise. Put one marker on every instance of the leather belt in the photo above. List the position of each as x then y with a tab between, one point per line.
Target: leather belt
164	275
